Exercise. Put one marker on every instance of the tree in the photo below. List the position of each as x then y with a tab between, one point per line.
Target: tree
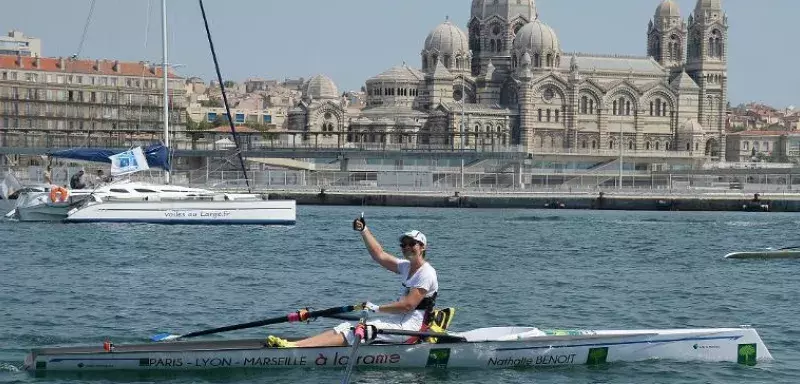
202	125
229	83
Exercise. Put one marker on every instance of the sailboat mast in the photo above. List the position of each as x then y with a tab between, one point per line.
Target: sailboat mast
164	70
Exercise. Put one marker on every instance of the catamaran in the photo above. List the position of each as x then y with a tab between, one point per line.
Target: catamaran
487	348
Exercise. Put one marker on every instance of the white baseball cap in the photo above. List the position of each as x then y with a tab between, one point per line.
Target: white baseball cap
416	235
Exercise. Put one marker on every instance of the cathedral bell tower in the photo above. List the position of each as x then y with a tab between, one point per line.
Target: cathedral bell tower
492	27
707	64
666	37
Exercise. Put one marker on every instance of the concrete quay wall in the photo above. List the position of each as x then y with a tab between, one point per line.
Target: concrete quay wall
604	201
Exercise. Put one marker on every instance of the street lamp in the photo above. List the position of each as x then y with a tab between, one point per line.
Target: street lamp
463	130
620	155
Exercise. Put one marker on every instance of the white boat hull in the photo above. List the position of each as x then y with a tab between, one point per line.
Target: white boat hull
42	212
276	212
487	348
766	254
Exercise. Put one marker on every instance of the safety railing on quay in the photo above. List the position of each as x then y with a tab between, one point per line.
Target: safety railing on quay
448	181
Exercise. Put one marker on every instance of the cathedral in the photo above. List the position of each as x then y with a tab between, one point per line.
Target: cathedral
505	80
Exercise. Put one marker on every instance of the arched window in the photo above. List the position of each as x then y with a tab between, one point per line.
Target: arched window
615	107
611	144
583	144
630	145
658	144
591	106
584	104
537	60
549	60
594	144
627	108
688	146
647	146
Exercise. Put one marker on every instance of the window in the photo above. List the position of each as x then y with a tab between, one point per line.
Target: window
212	116
540	114
143	190
548	115
240	117
118	190
268	119
557	116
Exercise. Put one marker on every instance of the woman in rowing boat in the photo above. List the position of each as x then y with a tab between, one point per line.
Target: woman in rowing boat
409	312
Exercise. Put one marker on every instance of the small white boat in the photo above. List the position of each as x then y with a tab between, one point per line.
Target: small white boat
786	253
484	348
34	202
132	202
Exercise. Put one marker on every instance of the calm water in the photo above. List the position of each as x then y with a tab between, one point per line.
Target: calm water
62	284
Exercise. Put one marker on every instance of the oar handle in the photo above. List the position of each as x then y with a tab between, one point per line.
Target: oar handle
301	315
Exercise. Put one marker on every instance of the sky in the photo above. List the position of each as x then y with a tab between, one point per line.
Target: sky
353	40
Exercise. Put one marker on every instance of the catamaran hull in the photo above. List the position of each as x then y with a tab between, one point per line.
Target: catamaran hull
736	345
44	212
264	212
776	254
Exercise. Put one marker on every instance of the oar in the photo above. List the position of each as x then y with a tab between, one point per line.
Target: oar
785	248
301	315
360	333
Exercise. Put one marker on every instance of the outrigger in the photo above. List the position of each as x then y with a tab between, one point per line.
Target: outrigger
495	347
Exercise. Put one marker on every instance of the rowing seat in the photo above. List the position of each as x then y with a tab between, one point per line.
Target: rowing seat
438	322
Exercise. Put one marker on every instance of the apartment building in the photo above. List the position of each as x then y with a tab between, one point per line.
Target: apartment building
16	43
68	94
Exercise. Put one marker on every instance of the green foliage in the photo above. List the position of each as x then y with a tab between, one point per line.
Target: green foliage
212	103
202	125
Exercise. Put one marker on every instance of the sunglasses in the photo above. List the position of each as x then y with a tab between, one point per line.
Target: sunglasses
408	243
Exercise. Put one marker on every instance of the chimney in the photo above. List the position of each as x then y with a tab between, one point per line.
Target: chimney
37	62
97	65
19	60
115	68
61	63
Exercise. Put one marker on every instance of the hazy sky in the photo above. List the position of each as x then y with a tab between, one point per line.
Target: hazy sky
353	40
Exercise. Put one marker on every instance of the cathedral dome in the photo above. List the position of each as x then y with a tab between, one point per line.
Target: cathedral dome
536	37
667	8
321	87
447	39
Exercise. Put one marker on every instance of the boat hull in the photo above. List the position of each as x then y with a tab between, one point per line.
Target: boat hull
558	348
264	212
776	254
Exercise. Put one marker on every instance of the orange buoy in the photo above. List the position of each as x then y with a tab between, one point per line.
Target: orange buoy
58	194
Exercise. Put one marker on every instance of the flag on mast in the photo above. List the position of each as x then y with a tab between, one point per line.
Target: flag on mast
128	162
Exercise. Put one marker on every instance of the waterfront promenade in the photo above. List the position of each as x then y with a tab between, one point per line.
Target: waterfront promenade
596	200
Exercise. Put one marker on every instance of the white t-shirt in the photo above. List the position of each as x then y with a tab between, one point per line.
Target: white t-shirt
424	277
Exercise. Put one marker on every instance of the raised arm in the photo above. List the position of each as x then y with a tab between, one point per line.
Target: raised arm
375	249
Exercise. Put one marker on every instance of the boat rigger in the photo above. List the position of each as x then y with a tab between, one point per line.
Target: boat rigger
489	348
